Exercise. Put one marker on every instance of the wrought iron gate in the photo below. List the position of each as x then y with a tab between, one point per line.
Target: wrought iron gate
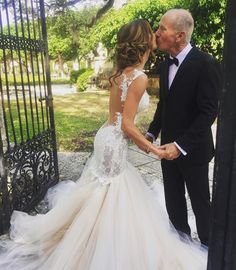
28	157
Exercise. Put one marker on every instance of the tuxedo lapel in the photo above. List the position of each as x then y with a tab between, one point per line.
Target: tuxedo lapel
188	61
165	79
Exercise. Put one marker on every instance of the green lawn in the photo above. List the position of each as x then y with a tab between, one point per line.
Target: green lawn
78	117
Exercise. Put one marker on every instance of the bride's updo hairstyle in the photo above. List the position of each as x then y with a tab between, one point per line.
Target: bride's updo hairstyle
133	40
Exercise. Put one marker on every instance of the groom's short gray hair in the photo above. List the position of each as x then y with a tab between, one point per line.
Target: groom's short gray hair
182	21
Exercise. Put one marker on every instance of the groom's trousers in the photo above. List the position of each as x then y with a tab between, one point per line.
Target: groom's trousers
195	178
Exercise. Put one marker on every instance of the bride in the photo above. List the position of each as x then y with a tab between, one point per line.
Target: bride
109	219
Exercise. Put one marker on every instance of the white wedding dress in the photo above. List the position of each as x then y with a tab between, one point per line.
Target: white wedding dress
108	220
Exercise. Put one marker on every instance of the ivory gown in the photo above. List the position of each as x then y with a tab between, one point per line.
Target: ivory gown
108	220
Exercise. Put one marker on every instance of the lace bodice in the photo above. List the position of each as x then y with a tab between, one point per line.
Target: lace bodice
125	83
111	144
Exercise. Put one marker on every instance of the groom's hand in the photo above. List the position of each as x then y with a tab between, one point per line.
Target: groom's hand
171	151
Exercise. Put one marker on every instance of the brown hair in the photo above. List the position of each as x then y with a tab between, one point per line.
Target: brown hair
133	40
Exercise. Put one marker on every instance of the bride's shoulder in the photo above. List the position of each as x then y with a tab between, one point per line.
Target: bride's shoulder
130	79
138	86
139	76
139	73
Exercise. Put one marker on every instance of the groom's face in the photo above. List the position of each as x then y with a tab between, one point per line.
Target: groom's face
166	35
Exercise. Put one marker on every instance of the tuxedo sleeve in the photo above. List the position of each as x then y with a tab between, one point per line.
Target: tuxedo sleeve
209	85
155	126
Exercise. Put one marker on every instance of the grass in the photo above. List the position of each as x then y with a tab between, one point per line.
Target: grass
30	81
79	116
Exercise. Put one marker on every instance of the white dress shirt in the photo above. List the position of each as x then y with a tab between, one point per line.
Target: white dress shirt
173	68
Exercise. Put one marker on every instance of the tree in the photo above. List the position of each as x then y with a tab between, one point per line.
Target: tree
79	39
62	5
67	34
106	28
209	18
209	25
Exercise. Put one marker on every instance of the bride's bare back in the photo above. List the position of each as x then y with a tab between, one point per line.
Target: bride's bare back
115	103
126	89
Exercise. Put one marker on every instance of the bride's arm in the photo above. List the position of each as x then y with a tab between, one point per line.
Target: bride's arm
135	92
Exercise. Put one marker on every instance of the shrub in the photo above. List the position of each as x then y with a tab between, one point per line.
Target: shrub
82	81
74	74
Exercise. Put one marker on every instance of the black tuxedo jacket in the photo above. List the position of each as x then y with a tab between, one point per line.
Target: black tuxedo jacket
187	110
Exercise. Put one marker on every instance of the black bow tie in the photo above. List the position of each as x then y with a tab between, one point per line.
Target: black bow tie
172	61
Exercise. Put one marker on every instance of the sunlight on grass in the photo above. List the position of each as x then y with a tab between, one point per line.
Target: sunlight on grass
78	117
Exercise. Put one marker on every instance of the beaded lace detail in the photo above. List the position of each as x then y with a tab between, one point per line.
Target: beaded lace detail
111	144
126	81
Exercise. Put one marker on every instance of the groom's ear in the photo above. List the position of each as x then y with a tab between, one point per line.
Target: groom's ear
181	36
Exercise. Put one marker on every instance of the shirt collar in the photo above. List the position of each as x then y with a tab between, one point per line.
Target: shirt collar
181	56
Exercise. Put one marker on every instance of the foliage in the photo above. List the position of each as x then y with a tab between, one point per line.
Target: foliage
106	29
74	74
209	30
67	34
58	6
82	81
70	36
209	16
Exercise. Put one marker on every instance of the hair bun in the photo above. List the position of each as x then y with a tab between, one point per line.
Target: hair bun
130	53
133	41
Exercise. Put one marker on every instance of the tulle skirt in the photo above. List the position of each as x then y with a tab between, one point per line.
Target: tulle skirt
116	226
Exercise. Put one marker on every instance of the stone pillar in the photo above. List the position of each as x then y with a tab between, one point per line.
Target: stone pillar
222	246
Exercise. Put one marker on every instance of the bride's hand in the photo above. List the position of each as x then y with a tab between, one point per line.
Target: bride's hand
160	153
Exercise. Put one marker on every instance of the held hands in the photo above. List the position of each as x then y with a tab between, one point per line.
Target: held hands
167	151
160	153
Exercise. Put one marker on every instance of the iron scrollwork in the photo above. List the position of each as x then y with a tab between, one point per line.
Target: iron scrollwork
31	171
28	154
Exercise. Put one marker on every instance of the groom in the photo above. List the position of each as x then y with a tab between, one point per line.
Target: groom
190	82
